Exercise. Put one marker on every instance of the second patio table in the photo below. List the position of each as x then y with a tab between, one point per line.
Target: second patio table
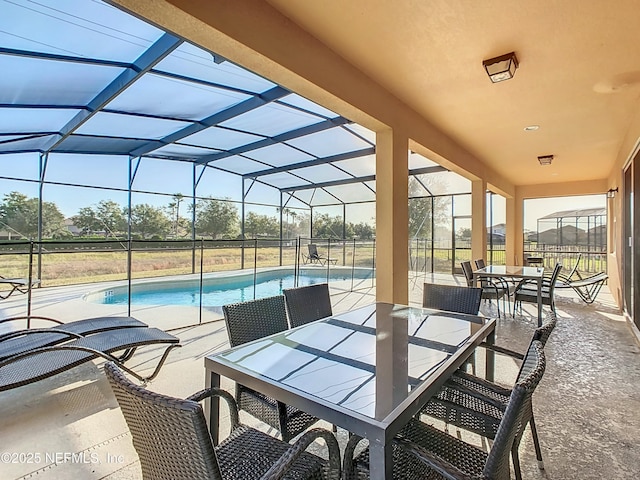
368	370
515	271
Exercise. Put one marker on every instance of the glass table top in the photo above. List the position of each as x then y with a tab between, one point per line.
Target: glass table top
366	360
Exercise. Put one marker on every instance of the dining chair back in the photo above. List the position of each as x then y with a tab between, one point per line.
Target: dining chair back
424	451
490	290
497	464
172	440
467	270
252	320
527	291
452	298
307	304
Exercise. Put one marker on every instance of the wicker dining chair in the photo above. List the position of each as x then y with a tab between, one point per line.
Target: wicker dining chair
172	440
452	298
307	304
248	321
490	290
502	281
477	405
422	451
527	291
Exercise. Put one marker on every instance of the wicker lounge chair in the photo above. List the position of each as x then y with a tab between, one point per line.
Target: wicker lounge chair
21	285
307	304
18	341
490	290
248	321
39	363
424	452
172	440
477	405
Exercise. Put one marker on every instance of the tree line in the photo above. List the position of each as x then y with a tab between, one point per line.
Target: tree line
213	219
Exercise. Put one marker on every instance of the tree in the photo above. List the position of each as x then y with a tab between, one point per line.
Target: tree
216	218
364	231
175	207
147	220
420	208
256	225
112	217
107	217
52	220
87	221
20	215
325	226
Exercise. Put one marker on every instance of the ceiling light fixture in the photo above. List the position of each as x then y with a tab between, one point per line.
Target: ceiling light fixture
611	193
545	159
501	68
531	128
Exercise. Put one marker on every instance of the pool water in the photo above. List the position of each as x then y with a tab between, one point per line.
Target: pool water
221	291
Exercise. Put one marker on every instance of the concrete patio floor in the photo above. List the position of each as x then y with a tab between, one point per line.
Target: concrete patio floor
587	406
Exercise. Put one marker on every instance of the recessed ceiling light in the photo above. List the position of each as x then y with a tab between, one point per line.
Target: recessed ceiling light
531	128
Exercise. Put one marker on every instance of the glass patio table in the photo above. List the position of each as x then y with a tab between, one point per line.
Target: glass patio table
367	370
515	271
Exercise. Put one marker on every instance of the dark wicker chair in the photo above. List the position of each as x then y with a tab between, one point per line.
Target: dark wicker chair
490	290
527	291
502	281
248	321
172	440
307	304
424	452
452	298
476	404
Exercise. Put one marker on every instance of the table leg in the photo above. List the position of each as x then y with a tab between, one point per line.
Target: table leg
212	406
380	461
490	360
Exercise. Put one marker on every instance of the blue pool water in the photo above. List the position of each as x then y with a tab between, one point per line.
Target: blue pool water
221	291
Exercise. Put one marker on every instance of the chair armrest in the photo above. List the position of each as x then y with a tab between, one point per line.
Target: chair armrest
280	468
462	391
438	464
490	386
502	350
32	331
504	284
218	392
32	317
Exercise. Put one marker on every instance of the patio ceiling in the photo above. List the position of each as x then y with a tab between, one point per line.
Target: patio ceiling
578	77
85	78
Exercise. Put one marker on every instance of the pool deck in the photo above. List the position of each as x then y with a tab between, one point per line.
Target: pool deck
587	406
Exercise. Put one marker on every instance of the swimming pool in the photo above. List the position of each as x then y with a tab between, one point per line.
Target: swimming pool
223	289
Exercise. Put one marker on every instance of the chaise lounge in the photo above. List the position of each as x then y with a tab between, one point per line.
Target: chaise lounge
27	356
21	285
315	257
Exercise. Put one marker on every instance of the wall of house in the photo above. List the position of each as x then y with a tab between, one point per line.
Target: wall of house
615	218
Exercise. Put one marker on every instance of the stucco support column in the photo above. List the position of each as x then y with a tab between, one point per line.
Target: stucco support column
478	219
518	215
512	232
392	217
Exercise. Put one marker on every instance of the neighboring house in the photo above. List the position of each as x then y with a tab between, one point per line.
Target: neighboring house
73	230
